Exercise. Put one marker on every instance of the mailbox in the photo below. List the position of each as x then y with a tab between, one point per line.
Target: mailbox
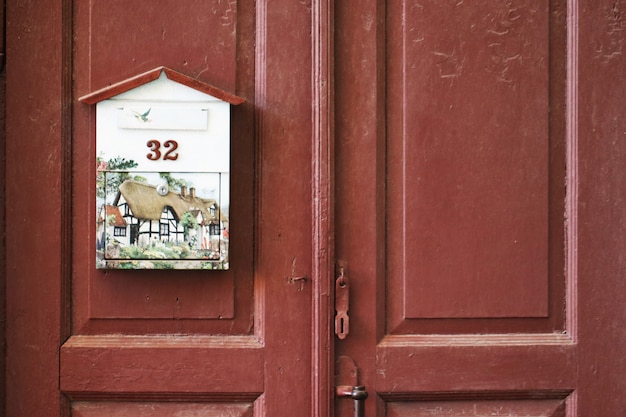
162	173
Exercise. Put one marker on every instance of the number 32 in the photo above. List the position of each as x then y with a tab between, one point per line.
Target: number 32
155	150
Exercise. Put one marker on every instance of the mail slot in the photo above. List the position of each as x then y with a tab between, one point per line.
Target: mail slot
162	173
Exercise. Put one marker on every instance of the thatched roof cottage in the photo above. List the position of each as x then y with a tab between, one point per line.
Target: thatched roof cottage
147	204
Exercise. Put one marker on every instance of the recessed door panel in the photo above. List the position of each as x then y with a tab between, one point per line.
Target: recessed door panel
163	33
469	146
161	36
475	165
156	409
479	408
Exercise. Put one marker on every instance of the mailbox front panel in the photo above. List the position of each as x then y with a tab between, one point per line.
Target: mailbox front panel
162	178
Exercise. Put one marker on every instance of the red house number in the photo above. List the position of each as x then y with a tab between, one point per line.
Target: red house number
155	150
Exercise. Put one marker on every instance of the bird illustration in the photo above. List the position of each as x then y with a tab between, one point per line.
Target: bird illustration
142	116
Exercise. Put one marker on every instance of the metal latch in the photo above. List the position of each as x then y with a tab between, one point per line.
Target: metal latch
342	304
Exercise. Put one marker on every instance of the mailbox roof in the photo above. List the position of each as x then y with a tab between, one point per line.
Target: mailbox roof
146	77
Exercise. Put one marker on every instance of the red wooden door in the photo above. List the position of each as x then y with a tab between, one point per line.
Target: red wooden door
464	160
90	343
468	208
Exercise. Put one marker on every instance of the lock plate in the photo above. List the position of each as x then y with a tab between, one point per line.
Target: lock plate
342	304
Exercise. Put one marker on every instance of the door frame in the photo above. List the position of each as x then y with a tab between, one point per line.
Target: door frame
323	273
34	335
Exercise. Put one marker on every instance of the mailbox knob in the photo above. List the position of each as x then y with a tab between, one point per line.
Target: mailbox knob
162	189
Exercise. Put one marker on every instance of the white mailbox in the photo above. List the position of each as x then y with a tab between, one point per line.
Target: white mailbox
162	173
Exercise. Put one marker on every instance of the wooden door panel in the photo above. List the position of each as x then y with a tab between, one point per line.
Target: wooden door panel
166	32
161	35
160	302
468	134
216	45
409	366
482	408
162	367
451	204
472	159
156	409
206	336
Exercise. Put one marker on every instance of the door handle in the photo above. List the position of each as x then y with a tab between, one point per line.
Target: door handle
347	384
357	393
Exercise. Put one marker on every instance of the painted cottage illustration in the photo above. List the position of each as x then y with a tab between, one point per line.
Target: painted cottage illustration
162	172
140	216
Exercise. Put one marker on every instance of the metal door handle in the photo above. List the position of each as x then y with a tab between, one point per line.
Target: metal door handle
358	394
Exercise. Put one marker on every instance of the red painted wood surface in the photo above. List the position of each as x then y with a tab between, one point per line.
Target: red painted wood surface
535	408
601	151
151	409
35	122
162	368
478	180
459	197
468	144
352	170
2	221
242	336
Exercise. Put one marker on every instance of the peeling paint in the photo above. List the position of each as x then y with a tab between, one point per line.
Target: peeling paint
612	45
